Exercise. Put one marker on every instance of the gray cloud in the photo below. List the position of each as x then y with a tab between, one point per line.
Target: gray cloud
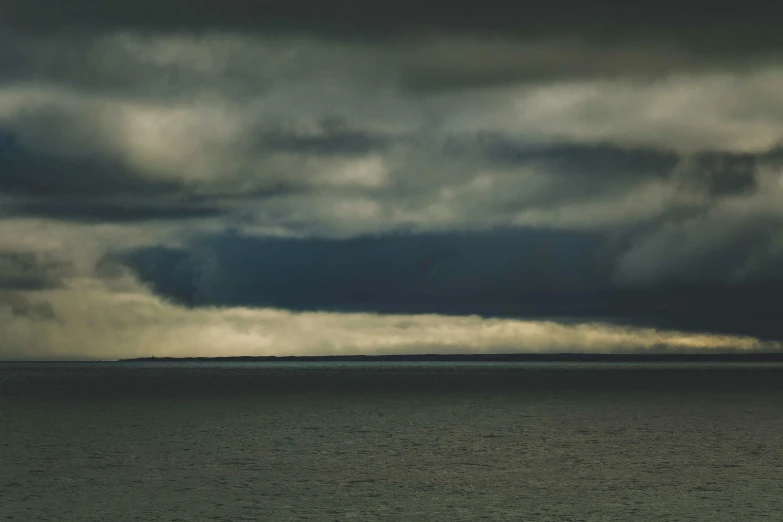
330	171
106	210
61	184
42	173
20	306
443	65
724	173
333	136
30	271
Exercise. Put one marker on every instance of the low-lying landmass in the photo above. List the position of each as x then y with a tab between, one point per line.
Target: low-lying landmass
513	357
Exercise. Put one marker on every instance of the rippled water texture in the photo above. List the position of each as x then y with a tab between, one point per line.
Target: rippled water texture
390	441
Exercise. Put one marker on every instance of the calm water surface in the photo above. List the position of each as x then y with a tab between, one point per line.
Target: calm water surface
390	441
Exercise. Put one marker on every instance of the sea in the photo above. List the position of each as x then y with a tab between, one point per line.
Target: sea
398	441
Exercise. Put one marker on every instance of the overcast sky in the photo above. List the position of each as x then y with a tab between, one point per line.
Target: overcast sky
208	178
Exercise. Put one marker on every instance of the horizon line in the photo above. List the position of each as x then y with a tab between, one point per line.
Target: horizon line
728	356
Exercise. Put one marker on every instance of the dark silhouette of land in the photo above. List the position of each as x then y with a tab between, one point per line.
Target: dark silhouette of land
515	357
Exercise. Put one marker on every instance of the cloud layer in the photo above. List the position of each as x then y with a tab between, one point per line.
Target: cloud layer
590	162
89	320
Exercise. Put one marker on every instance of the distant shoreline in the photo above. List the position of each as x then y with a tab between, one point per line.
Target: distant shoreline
518	357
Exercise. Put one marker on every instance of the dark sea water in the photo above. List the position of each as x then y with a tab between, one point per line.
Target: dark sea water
390	441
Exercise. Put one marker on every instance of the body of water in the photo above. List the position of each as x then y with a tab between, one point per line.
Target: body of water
390	441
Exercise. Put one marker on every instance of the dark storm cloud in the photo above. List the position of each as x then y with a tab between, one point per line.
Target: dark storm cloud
606	38
29	271
579	170
725	173
492	272
42	173
749	308
604	159
97	211
354	18
334	137
116	64
514	273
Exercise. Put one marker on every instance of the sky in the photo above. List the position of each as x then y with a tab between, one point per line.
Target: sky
220	178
